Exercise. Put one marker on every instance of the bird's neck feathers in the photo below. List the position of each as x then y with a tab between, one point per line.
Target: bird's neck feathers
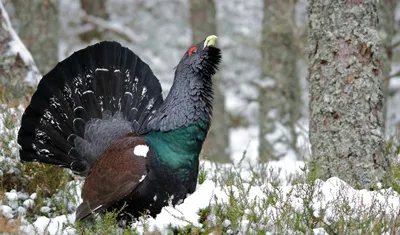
190	100
180	126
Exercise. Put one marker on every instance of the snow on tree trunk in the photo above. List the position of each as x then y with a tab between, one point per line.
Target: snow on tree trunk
38	29
279	90
16	62
203	22
386	27
346	99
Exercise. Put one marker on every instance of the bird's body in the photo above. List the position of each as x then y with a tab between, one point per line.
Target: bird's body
101	114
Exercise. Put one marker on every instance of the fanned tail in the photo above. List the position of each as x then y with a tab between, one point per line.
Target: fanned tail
86	102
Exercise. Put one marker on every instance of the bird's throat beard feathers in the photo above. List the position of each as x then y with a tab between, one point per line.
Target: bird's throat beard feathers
190	99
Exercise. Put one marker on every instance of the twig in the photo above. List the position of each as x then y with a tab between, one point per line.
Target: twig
393	75
396	44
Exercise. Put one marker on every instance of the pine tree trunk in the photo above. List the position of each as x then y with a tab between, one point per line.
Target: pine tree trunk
386	27
38	29
18	73
346	98
203	22
279	90
94	8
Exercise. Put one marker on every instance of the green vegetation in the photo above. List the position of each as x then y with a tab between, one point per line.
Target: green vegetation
252	202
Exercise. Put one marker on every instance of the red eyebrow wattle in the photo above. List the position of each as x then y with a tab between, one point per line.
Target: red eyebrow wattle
191	50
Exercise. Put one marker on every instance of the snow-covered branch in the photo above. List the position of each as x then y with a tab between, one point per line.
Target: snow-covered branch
17	49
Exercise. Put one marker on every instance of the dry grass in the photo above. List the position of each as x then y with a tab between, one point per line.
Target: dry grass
9	227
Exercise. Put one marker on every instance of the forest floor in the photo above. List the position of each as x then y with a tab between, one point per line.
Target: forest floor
281	197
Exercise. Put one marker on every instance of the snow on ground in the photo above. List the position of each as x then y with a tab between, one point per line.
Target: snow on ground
8	145
244	143
326	196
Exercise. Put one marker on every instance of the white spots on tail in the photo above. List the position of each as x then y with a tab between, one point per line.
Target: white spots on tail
97	208
78	81
144	91
141	150
117	71
127	76
128	93
67	92
39	151
155	198
41	136
87	92
101	69
49	119
142	178
77	108
54	103
150	105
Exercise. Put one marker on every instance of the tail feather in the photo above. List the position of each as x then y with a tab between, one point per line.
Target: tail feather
85	103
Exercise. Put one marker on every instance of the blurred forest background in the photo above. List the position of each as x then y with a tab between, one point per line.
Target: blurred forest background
262	98
297	76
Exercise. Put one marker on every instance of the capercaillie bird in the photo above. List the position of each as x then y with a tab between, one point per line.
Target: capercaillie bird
100	113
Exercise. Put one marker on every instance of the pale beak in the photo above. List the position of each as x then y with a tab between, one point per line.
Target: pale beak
210	41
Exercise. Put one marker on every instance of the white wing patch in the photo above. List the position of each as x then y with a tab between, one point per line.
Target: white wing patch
141	150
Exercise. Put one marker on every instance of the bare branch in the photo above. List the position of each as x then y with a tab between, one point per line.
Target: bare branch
122	30
396	74
396	44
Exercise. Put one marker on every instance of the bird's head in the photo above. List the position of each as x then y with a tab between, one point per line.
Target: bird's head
201	59
190	98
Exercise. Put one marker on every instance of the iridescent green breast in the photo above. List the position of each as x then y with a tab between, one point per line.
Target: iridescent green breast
180	147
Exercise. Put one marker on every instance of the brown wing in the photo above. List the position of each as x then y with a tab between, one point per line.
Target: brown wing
113	176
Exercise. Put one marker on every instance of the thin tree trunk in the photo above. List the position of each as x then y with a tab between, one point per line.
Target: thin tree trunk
38	30
203	22
279	90
94	8
18	72
387	21
346	99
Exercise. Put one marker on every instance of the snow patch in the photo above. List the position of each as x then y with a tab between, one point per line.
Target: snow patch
7	211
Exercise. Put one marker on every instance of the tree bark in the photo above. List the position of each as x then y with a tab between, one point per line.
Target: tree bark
279	90
38	30
18	72
386	27
203	23
346	98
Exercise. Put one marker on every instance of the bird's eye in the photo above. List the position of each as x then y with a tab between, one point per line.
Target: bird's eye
192	50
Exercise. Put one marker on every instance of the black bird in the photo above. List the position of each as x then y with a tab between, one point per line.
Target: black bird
101	114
